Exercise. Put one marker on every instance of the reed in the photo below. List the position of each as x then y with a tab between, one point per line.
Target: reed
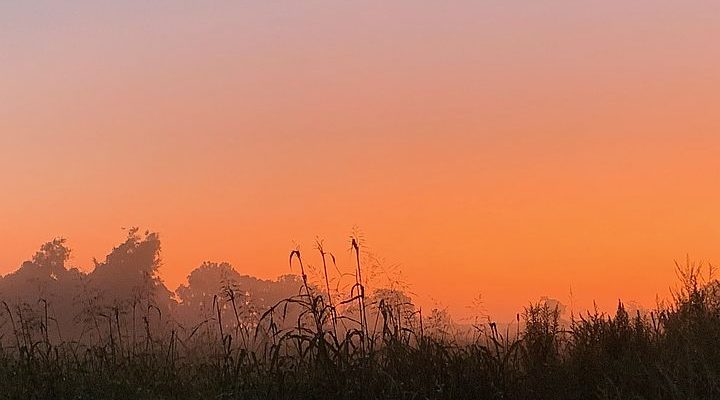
310	346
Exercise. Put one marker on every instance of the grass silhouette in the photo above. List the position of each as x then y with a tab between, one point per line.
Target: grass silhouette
312	346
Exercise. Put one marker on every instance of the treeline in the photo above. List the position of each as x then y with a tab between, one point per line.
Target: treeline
308	336
123	296
123	302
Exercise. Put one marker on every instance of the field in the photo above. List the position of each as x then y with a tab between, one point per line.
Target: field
321	343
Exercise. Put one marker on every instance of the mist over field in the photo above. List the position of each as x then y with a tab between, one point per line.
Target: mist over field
118	332
125	291
536	182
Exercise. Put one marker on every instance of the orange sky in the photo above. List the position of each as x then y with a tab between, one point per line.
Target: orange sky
508	148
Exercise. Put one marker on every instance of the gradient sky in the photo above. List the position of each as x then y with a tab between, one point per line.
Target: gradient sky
512	149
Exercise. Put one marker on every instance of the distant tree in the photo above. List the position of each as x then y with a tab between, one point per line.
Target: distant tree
241	299
129	274
39	291
123	298
210	287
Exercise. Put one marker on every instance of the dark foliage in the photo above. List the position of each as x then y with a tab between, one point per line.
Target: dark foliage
313	343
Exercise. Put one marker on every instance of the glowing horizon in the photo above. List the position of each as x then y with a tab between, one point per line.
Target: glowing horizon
508	149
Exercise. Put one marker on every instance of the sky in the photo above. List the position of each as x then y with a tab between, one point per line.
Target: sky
507	149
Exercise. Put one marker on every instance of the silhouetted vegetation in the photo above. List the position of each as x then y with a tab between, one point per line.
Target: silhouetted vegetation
118	332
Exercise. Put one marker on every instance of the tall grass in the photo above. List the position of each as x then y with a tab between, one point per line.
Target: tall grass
333	350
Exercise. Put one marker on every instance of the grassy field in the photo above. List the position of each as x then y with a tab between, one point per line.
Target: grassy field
317	345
